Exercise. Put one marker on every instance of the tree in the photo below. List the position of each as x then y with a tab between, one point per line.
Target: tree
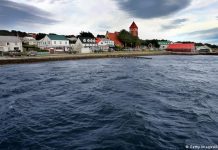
126	38
13	33
154	43
40	36
100	36
86	34
69	36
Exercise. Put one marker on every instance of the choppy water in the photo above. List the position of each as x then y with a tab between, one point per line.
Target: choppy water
164	103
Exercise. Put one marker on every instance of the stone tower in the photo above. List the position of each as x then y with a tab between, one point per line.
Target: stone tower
133	29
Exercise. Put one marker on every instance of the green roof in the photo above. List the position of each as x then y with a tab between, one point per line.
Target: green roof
57	37
164	42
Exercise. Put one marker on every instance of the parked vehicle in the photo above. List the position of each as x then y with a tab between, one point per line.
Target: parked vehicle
32	53
15	53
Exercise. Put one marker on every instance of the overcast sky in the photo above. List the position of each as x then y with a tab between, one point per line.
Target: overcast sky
195	20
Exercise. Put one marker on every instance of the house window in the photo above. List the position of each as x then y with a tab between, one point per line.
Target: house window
7	43
60	42
54	42
15	43
65	42
48	42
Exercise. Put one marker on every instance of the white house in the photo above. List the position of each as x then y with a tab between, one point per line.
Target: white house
58	43
10	43
29	40
85	45
164	44
204	49
104	44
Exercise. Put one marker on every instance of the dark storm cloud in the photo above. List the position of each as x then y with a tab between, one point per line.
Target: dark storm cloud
174	24
152	8
12	13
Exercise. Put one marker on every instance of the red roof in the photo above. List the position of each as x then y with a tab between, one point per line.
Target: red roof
98	40
133	25
177	46
114	37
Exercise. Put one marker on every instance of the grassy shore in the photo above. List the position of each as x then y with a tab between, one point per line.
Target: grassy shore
61	57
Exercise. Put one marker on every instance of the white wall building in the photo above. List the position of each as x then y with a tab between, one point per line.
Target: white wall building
164	44
104	44
56	42
29	40
10	43
204	49
85	45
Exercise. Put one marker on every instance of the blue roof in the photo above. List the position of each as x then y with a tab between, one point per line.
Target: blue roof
57	37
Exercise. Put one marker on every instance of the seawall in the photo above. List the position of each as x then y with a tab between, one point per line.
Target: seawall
62	57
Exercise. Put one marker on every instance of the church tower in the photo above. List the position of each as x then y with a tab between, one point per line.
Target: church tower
133	29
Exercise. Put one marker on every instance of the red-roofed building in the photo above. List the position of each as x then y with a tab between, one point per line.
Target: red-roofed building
133	29
181	47
114	37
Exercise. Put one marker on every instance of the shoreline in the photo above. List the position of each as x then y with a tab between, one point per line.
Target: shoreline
63	57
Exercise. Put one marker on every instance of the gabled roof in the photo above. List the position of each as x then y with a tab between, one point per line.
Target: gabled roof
87	40
101	39
164	42
57	37
114	37
14	39
181	46
133	25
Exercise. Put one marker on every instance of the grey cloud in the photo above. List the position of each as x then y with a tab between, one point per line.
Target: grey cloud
217	17
152	8
52	1
13	13
203	32
209	34
174	24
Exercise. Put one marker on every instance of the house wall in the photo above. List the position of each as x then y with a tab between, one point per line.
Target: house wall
47	43
163	47
10	46
86	50
32	42
78	46
106	43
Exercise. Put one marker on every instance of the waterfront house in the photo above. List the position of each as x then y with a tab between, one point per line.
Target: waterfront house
10	43
164	44
114	37
204	49
181	47
29	40
58	43
104	44
85	45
